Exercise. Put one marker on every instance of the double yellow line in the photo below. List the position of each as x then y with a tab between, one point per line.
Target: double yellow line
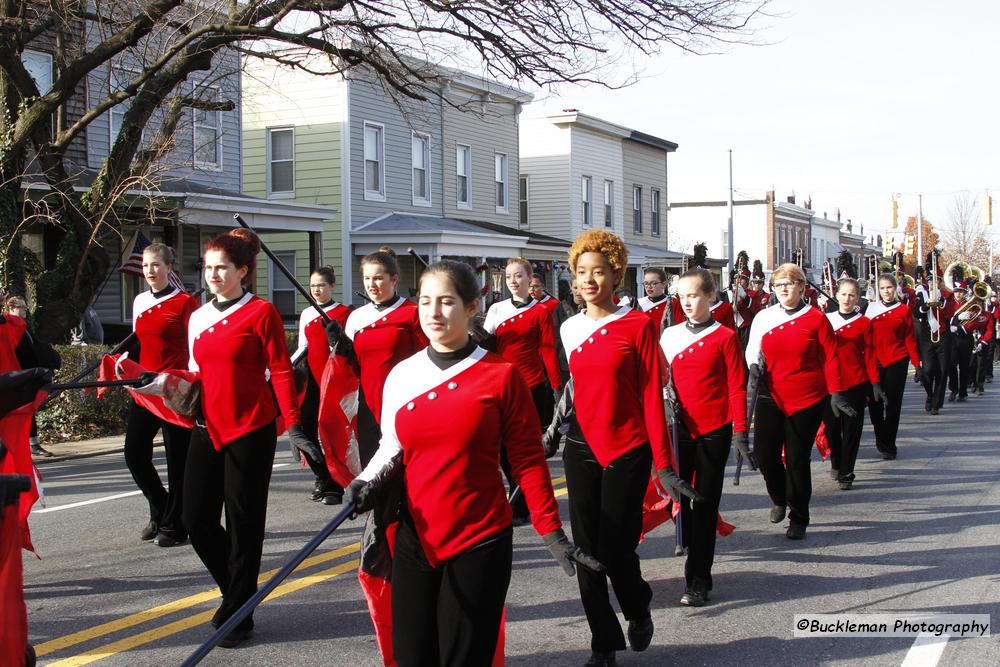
196	619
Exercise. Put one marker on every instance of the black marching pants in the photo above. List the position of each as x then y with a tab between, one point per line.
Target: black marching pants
605	513
844	433
164	506
789	483
885	415
309	413
983	363
369	431
703	458
959	374
236	478
449	614
544	400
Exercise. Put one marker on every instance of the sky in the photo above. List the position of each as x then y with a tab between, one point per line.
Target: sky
845	102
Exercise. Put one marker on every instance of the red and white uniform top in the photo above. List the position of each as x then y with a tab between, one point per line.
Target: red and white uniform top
383	338
892	329
654	309
618	374
548	301
761	299
800	355
707	371
526	337
12	330
722	313
161	325
812	296
234	351
312	336
982	325
450	425
743	311
855	350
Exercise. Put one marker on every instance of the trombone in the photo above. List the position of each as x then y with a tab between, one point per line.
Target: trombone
871	270
828	284
935	299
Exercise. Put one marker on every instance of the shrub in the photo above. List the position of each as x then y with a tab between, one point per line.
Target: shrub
74	415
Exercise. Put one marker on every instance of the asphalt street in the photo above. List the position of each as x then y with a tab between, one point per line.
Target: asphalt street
918	534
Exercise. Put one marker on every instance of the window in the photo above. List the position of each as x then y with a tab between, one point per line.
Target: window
120	78
208	131
522	194
609	203
420	154
654	213
39	66
585	191
281	161
463	176
282	292
637	209
374	162
500	177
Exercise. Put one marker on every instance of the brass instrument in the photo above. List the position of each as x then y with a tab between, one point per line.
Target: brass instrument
978	295
799	256
935	298
871	271
828	284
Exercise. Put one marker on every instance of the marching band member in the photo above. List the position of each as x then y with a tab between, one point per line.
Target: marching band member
447	412
962	346
315	349
743	305
706	370
524	335
160	322
858	367
536	289
983	327
654	304
895	349
377	335
723	313
233	342
792	352
617	371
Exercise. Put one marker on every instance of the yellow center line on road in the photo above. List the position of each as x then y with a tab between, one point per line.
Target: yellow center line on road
138	618
194	620
558	480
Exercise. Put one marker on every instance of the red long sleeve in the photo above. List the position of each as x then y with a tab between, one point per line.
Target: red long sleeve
272	335
548	348
651	382
736	383
828	347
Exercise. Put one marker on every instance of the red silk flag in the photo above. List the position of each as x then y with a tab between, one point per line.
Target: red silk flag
338	416
657	508
13	613
15	427
171	396
822	442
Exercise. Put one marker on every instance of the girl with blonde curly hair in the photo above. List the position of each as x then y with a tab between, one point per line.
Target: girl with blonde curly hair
616	369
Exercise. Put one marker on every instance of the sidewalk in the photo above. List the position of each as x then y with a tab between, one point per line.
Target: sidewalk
66	451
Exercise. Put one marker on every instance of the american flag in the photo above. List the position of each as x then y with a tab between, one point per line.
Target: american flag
133	264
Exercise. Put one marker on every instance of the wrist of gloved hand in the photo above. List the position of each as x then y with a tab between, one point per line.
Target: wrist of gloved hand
550	442
676	487
841	406
566	553
741	442
298	439
361	495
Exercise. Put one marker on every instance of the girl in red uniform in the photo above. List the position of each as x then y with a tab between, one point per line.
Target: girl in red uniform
706	370
792	355
858	368
234	340
447	413
656	301
378	335
160	321
314	347
895	348
617	370
523	333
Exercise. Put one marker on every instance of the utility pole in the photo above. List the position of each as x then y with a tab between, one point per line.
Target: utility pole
920	230
729	250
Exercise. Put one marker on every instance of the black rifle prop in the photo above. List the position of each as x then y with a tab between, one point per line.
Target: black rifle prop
675	440
271	584
820	290
96	384
285	272
364	296
753	393
11	488
413	253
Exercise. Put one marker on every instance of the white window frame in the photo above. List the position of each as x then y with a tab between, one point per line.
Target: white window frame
654	212
379	194
523	192
502	186
609	203
587	200
466	163
282	255
426	140
637	209
271	192
122	107
207	166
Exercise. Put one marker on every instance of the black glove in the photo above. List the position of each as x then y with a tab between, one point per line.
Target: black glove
298	439
361	494
339	341
550	441
877	393
11	488
568	553
670	403
676	487
754	373
918	375
841	406
741	441
146	378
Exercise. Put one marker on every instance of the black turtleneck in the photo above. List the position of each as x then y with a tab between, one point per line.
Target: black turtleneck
657	299
697	327
521	304
223	305
847	316
792	311
327	304
385	304
445	360
163	292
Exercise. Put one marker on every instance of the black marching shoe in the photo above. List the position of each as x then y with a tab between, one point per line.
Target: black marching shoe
888	456
601	659
935	411
235	638
846	484
327	492
796	531
640	633
834	475
694	598
777	514
980	390
165	540
149	532
952	396
962	398
928	404
317	492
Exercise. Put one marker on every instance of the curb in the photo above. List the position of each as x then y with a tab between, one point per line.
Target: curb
43	460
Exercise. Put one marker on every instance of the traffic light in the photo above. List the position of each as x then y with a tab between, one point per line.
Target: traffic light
908	246
988	209
895	213
887	246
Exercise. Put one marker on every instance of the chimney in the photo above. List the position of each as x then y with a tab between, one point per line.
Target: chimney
838	214
791	198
